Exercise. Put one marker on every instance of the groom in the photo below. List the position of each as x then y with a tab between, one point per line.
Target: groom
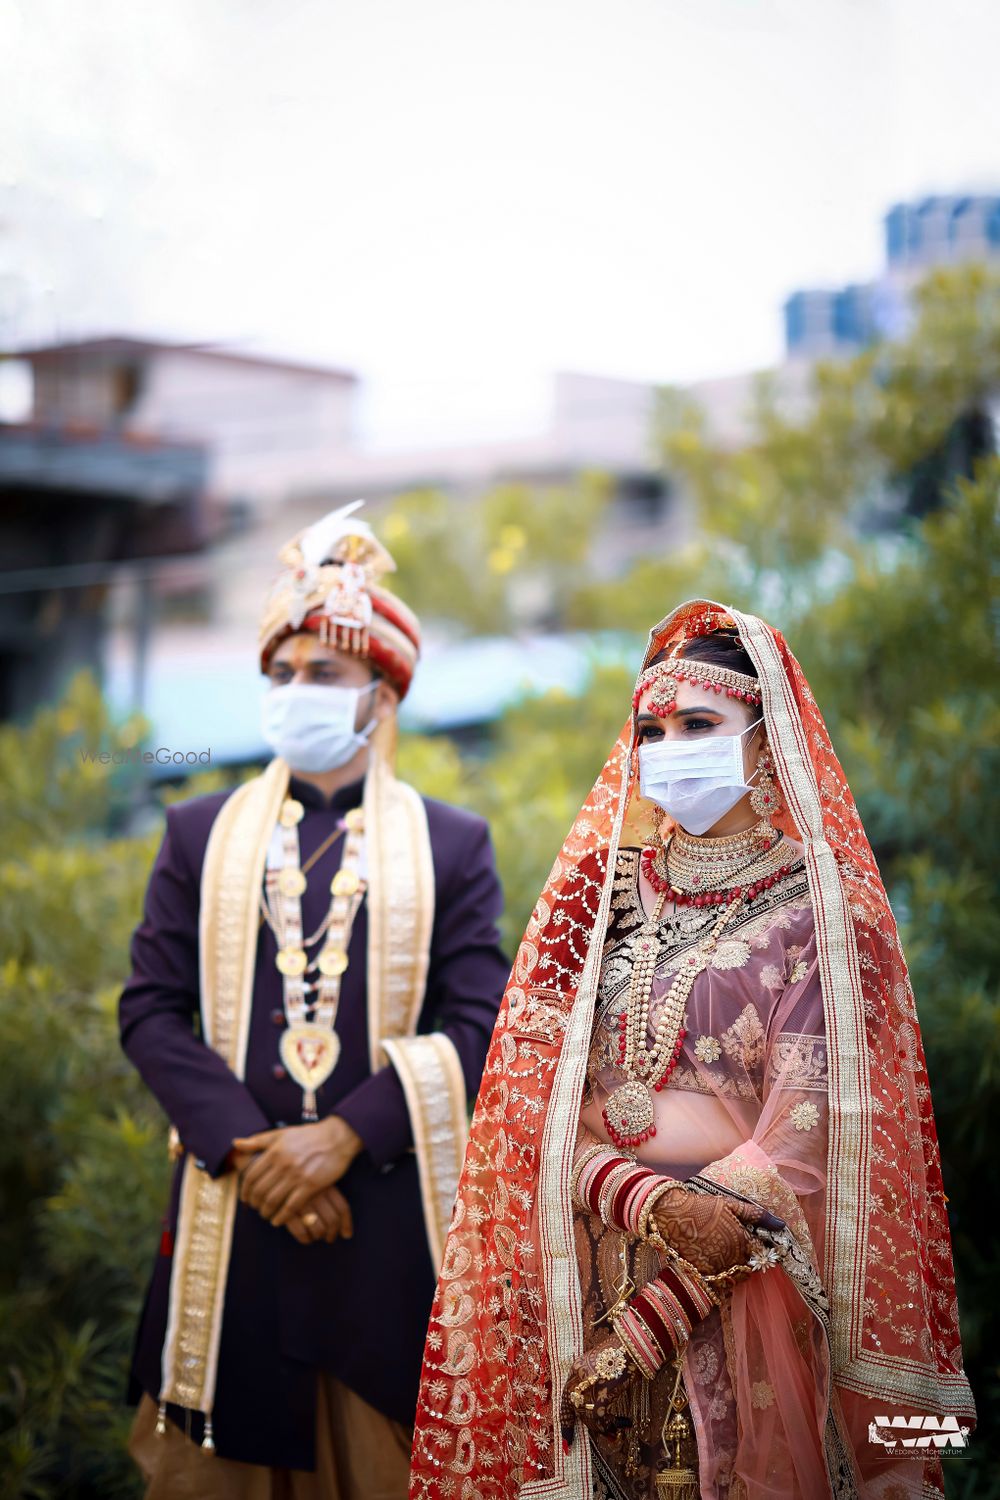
314	985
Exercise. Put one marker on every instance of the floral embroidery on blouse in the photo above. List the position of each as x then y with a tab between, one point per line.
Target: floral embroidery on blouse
707	1049
729	953
804	1115
797	1061
762	1394
744	1039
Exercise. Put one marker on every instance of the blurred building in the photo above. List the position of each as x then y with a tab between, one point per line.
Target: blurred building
152	484
267	425
85	511
820	322
936	231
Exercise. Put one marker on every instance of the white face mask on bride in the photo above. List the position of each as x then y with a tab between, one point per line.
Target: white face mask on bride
697	782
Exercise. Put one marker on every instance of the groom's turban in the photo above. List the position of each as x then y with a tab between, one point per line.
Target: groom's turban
330	585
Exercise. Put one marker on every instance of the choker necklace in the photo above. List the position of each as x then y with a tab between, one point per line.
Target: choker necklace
693	871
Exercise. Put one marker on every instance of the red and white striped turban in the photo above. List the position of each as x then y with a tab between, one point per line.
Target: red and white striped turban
329	585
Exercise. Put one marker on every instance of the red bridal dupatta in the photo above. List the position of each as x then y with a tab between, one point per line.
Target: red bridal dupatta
507	1319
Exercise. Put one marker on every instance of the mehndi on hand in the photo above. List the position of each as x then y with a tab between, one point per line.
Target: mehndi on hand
702	1229
597	1382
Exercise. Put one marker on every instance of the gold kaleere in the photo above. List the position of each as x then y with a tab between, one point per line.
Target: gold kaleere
677	1481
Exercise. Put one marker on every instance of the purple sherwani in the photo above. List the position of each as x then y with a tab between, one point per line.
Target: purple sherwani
357	1308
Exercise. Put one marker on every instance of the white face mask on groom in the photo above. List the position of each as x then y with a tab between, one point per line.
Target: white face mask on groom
311	726
698	782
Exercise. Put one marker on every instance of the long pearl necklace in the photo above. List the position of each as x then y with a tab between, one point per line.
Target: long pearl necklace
629	1112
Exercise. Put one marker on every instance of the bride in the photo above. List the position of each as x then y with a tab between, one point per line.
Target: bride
700	1244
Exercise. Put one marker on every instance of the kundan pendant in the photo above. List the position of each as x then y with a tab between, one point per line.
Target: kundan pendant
310	1054
628	1114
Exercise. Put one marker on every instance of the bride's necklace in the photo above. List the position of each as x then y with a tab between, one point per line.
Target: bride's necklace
713	872
724	872
628	1114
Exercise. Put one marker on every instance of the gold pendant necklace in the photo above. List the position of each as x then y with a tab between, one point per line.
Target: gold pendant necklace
309	1046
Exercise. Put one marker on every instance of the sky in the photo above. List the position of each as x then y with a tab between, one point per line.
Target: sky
457	198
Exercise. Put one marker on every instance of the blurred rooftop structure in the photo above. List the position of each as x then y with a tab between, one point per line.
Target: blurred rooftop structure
280	446
266	424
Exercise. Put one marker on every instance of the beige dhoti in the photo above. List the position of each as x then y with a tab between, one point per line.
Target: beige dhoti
360	1455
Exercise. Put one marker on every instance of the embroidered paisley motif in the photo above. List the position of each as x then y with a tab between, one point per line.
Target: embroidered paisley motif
744	1039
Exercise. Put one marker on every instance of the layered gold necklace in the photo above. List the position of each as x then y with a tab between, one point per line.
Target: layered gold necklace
309	1045
696	872
692	871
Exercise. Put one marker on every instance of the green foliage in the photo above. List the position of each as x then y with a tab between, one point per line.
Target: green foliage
52	784
902	660
797	489
82	1164
484	565
547	755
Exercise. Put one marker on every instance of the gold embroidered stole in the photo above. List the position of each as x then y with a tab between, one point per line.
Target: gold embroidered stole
227	940
400	921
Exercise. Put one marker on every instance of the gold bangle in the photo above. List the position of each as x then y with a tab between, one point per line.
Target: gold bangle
578	1166
649	1231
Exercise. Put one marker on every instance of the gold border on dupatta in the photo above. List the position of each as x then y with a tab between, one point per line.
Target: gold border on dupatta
848	1085
234	864
561	1274
429	1069
400	906
848	1205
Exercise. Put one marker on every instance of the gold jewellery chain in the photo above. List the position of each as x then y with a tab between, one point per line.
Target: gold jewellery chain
317	854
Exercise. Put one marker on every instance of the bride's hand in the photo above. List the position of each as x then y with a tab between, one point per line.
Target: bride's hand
702	1229
596	1380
